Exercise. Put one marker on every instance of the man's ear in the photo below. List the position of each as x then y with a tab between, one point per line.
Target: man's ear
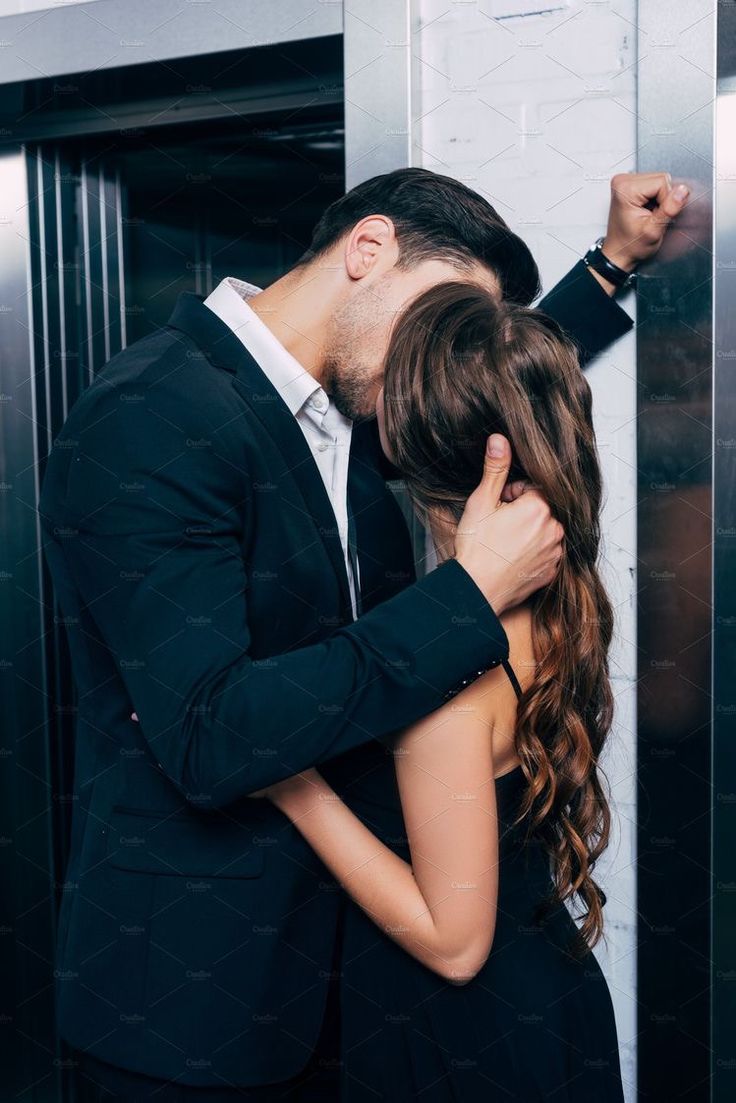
371	240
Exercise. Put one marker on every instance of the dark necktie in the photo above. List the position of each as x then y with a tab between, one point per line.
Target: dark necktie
353	556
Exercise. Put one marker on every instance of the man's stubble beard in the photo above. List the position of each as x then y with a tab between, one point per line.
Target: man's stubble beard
349	372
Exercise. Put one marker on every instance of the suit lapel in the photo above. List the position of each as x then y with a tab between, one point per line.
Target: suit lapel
384	542
223	349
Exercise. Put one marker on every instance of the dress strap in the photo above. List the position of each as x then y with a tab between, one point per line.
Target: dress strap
477	673
514	680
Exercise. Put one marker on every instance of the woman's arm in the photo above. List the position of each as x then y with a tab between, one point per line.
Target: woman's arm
442	907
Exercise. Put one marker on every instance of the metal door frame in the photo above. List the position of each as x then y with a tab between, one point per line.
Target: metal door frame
723	825
686	439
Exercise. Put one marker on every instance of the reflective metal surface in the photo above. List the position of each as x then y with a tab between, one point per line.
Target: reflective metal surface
377	88
687	583
723	872
29	843
113	34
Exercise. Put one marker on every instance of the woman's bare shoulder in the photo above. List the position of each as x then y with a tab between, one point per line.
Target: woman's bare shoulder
493	691
518	626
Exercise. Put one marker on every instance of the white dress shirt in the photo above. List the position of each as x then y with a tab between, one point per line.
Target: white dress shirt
326	430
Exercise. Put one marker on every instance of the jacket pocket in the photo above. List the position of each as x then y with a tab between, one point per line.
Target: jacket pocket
181	846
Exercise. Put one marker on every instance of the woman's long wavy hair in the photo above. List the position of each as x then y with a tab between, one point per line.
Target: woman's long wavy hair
461	365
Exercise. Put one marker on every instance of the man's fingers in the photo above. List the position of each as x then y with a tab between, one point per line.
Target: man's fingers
496	466
674	201
641	187
514	490
655	225
662	191
644	205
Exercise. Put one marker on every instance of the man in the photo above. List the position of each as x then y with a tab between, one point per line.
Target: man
233	569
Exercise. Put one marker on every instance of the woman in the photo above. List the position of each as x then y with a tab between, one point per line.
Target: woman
463	974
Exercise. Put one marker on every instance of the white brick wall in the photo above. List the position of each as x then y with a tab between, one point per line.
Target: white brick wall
537	113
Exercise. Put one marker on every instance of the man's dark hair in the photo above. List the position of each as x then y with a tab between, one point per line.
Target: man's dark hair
435	217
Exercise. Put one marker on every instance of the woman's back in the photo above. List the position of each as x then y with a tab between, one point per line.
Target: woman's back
366	777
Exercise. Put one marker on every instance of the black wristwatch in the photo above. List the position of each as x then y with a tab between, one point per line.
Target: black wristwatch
595	258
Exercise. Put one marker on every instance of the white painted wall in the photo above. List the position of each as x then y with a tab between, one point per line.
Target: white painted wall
537	113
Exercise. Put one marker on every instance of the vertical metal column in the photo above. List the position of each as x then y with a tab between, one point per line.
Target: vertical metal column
377	51
77	301
687	579
723	817
27	875
99	213
378	134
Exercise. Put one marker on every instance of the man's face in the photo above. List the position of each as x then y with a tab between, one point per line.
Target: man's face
359	331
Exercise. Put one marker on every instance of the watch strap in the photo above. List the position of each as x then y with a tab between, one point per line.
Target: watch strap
595	258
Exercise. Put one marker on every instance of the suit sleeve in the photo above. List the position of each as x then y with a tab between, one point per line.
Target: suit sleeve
156	518
588	315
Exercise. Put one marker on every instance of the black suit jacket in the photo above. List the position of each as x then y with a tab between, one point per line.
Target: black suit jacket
199	571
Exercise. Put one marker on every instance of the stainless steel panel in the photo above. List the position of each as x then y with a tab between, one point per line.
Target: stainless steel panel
378	136
687	574
27	898
723	818
115	33
377	39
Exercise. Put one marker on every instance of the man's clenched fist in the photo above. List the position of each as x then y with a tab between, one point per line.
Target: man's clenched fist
643	205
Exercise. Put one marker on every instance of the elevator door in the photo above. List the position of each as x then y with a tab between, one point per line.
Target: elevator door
116	224
120	228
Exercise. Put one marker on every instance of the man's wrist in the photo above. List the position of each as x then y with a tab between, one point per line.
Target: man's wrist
493	593
607	259
608	287
618	255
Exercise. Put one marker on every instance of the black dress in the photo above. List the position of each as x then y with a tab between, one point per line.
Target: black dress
535	1024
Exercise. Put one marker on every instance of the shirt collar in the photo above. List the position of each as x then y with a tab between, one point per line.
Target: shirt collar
293	382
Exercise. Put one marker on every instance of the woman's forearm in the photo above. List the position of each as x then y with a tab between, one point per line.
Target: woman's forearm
377	879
